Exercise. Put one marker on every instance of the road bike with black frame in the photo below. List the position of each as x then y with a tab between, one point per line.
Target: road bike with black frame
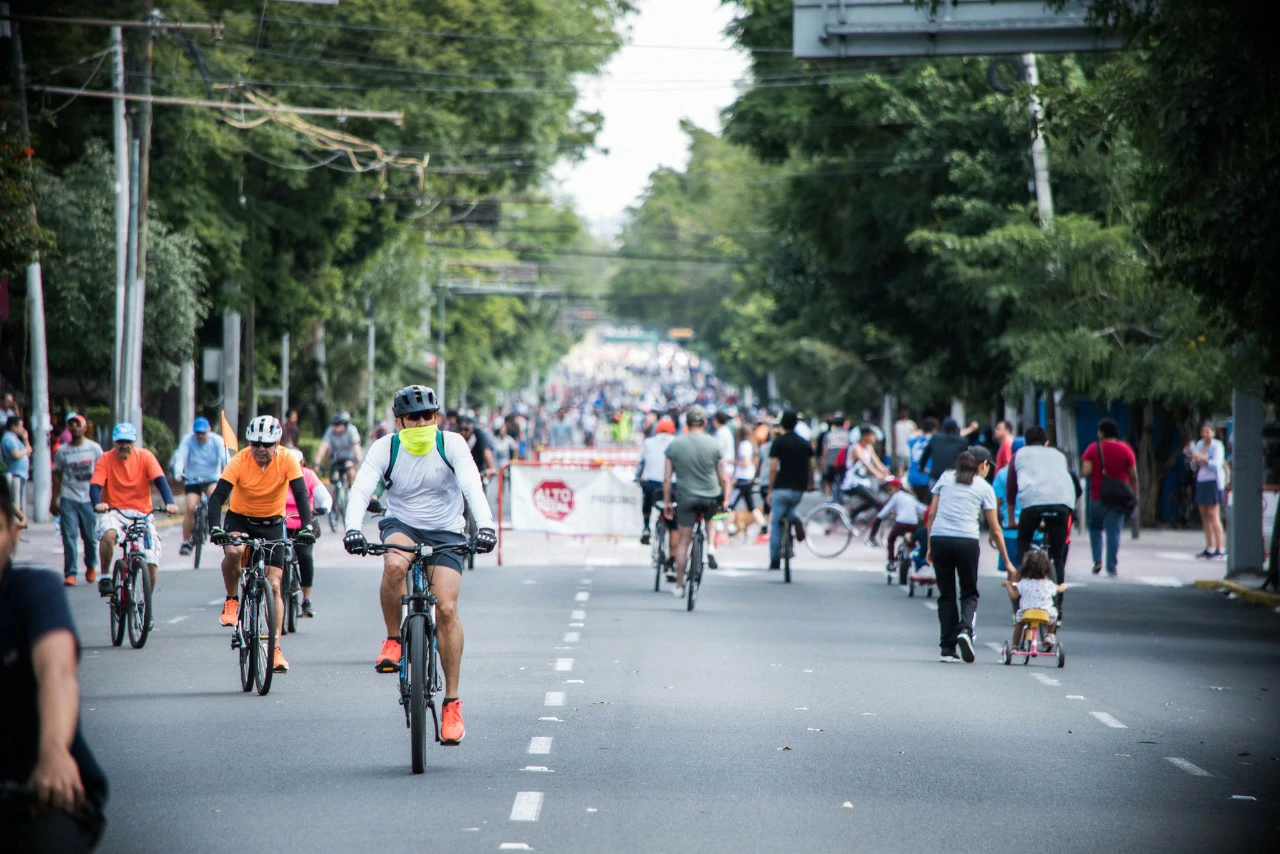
697	556
338	512
420	673
254	635
128	587
472	528
660	548
199	529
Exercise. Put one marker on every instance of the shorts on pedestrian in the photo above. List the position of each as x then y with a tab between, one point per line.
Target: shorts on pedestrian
118	521
388	526
271	528
1208	494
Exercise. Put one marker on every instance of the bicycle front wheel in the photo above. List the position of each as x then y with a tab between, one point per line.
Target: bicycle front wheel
788	550
139	612
197	535
827	531
417	652
245	622
116	604
264	631
658	553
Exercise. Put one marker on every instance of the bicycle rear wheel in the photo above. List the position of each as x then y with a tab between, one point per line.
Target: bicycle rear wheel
139	611
116	604
694	579
659	553
289	585
265	636
788	549
827	531
338	511
417	652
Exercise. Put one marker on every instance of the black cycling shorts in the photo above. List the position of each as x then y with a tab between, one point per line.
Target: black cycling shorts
259	529
199	488
388	526
687	510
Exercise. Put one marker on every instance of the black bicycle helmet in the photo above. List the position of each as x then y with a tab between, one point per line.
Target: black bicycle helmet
412	399
340	417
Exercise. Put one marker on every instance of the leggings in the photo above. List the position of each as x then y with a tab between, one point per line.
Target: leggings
742	490
952	557
652	495
865	498
306	560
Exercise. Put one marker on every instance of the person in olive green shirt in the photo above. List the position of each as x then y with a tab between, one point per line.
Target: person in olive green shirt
694	459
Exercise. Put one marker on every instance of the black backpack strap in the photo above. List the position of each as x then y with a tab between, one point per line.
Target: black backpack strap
395	452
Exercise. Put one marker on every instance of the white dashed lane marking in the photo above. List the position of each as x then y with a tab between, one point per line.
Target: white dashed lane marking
514	846
994	647
1108	720
540	744
932	606
572	637
581	596
577	615
527	806
177	619
554	698
215	601
1193	770
564	665
1047	680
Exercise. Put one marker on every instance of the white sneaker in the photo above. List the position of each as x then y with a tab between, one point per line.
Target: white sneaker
677	592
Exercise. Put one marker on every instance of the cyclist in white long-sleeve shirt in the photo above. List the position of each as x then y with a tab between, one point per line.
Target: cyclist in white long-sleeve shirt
427	474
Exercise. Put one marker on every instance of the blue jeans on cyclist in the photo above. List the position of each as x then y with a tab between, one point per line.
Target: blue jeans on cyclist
1103	523
784	502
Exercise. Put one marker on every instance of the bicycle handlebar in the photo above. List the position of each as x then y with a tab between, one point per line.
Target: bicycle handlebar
419	550
242	540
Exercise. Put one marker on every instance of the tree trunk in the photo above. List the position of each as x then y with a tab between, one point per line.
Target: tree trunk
1147	469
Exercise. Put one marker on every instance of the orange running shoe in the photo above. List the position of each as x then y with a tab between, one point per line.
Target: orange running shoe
91	575
69	581
230	610
451	728
280	665
389	659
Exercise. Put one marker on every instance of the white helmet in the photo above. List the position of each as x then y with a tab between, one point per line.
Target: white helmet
264	428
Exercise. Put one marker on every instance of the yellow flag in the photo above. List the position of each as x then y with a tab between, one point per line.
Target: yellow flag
229	435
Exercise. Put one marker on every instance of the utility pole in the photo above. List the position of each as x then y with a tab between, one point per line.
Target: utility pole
369	355
141	175
441	293
120	135
131	360
41	464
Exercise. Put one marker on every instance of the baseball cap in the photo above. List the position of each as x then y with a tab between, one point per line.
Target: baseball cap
695	415
893	481
201	425
124	432
666	425
74	416
981	454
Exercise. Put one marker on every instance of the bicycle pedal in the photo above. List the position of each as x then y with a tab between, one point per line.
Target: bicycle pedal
235	641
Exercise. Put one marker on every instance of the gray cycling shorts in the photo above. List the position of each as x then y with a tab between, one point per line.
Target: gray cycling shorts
388	526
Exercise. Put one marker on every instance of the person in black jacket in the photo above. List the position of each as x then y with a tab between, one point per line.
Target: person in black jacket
942	450
41	746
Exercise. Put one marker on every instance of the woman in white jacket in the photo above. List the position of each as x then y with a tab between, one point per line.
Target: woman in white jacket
1209	460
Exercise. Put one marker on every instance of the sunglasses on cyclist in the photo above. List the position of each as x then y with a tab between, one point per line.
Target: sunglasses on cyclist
262	444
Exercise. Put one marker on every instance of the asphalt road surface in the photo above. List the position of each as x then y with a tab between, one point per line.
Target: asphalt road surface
601	717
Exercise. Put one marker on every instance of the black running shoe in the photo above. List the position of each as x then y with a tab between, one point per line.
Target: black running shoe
307	610
711	562
964	644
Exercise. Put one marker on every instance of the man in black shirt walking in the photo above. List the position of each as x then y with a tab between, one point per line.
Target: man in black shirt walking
790	477
41	746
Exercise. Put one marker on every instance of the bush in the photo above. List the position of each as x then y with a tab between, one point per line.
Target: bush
157	436
309	446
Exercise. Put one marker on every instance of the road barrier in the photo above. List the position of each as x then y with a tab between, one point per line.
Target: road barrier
568	499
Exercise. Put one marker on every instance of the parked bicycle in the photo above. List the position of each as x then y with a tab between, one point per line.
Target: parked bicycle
420	674
254	635
127	588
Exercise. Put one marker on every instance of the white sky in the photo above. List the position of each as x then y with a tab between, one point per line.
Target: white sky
644	93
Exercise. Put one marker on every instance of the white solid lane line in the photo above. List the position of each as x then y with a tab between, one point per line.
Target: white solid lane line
554	698
577	615
527	806
1108	720
572	637
581	596
564	665
1193	770
540	744
1047	680
177	619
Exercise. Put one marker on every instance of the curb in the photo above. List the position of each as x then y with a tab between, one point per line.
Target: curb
1248	594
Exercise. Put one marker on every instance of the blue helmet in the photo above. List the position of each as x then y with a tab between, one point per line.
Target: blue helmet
124	432
201	425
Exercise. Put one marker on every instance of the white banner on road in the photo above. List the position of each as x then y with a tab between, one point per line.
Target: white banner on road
576	501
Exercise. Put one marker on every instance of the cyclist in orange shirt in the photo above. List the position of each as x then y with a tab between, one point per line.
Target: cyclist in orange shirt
121	490
257	480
